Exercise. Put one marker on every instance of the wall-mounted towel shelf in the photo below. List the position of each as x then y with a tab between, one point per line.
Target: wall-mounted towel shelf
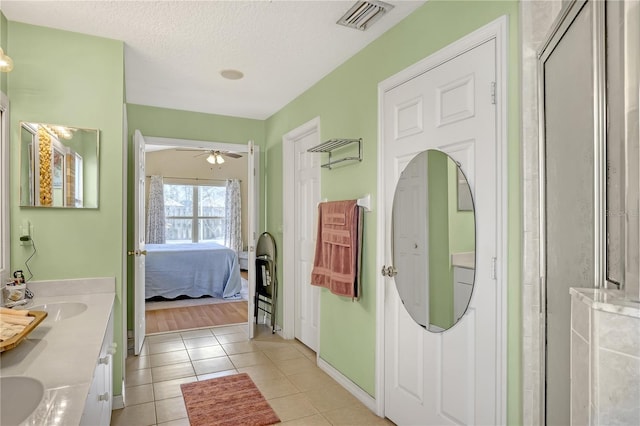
333	144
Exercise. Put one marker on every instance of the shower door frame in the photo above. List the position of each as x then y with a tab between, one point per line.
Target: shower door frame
558	30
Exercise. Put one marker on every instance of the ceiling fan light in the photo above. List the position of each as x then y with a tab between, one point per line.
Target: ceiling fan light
211	158
220	159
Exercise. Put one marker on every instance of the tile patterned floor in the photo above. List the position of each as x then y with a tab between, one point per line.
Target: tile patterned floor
285	372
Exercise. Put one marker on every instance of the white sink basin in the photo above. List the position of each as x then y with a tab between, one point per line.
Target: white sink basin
19	397
61	310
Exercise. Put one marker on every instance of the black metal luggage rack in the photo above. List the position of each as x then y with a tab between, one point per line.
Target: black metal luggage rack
266	279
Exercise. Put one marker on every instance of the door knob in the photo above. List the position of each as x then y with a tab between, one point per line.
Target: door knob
137	252
389	271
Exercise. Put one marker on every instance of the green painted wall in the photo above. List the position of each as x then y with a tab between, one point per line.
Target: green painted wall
4	29
171	123
440	272
71	79
347	104
461	223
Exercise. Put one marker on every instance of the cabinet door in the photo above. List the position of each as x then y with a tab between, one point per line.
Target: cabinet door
93	407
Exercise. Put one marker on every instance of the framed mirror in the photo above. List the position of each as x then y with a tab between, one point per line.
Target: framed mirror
433	241
59	166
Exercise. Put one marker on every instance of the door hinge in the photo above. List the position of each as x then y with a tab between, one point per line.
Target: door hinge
493	92
494	268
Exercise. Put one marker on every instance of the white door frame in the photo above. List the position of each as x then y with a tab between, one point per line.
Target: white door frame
498	30
235	147
288	218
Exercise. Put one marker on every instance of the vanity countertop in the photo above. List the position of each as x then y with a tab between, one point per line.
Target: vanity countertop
607	300
464	259
63	354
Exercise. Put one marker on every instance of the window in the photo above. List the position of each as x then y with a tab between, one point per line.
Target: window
194	213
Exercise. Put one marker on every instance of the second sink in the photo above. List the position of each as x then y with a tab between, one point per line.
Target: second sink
61	310
19	397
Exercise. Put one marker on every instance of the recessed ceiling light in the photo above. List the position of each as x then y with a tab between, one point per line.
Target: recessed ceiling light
231	74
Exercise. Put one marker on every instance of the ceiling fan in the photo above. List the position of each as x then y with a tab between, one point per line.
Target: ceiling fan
214	156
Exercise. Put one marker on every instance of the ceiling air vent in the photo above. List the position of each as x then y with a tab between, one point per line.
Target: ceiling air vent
363	14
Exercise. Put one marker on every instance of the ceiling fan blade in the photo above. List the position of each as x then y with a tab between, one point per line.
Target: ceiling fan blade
231	154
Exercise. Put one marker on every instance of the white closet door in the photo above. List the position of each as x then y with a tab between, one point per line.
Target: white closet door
450	377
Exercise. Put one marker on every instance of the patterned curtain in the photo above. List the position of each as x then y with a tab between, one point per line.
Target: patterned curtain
233	211
155	212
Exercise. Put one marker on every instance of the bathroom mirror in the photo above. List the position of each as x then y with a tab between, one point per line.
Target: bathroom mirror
58	166
433	241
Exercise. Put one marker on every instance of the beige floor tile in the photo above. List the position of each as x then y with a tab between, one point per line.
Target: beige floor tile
240	348
179	422
167	358
138	377
165	337
156	348
231	338
206	352
331	398
266	345
306	351
212	365
248	359
283	354
139	415
201	342
316	420
144	350
296	365
292	407
204	332
171	388
217	374
261	372
276	388
311	380
230	329
170	409
173	371
355	415
133	363
139	394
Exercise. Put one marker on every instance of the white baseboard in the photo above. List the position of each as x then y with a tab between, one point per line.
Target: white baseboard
118	400
345	382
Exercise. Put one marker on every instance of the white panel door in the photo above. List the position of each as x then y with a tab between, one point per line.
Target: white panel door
307	197
449	377
139	252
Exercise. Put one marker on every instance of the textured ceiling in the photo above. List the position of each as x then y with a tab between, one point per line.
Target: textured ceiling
175	50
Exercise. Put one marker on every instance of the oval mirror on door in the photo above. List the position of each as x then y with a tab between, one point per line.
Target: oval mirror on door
434	240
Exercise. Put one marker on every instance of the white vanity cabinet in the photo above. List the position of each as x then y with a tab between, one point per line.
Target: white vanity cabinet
97	410
462	288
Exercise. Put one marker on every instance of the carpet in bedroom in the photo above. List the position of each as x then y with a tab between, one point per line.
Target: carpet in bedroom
187	318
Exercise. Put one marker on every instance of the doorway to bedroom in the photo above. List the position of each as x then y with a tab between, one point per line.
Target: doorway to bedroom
198	204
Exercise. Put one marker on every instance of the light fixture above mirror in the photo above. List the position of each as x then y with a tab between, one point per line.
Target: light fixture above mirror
6	63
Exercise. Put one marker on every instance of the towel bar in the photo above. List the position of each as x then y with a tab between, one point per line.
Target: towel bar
364	202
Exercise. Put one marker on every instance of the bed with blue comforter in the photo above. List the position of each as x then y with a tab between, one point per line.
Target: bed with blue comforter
194	270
